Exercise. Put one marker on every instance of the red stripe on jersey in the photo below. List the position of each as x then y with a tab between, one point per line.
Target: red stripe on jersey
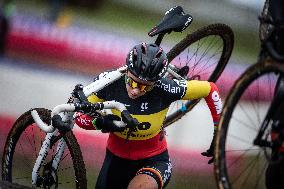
214	103
136	149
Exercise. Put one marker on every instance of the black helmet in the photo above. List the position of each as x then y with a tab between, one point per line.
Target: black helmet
147	62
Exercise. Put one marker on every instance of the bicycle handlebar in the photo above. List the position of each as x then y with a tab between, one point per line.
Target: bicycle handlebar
72	107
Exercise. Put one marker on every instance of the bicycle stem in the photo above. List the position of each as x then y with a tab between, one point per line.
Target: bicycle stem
159	39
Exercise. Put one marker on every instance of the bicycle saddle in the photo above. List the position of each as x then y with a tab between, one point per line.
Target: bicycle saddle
174	20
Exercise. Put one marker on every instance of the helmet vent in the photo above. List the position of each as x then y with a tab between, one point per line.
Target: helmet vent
135	55
143	48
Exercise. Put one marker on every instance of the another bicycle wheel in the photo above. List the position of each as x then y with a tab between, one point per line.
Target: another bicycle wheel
206	53
239	163
22	148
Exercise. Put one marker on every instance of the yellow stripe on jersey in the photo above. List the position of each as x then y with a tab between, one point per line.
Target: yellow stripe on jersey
94	98
155	120
196	89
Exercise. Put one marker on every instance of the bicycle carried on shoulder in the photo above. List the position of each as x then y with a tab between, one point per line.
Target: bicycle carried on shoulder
247	142
37	154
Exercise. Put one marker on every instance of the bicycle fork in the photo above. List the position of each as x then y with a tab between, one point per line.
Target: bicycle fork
45	147
42	155
272	115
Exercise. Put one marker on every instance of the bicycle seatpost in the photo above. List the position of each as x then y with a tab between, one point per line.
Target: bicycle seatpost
159	39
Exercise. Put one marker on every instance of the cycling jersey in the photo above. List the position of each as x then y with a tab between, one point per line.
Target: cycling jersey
150	110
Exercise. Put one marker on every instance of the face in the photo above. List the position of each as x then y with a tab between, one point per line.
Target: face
136	87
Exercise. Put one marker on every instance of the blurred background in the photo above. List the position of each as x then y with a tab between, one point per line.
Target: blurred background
49	46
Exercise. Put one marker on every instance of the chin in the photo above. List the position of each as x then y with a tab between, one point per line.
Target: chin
133	97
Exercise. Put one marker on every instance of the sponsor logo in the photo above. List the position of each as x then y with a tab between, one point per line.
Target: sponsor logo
131	58
187	22
168	172
217	102
10	146
144	126
137	135
170	10
144	106
170	88
181	83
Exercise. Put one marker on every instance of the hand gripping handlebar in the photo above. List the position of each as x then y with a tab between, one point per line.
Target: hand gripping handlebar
73	107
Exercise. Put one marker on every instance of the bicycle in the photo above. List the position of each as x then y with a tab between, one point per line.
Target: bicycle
57	149
244	145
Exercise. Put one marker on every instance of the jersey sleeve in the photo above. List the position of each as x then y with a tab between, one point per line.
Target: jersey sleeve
209	91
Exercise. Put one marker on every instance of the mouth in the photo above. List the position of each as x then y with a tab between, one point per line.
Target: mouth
133	95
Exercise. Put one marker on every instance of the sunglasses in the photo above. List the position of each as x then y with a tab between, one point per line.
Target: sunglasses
133	84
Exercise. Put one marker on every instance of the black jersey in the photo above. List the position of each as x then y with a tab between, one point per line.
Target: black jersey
151	110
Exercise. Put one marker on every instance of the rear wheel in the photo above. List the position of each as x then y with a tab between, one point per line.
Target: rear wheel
205	54
239	162
22	148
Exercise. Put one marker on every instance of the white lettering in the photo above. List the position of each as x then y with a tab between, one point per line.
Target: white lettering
131	58
168	87
144	106
217	102
170	10
168	172
187	22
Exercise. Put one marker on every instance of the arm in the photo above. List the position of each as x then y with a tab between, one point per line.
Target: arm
209	91
214	103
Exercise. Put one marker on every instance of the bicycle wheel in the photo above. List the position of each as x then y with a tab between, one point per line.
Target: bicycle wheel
239	163
22	148
206	53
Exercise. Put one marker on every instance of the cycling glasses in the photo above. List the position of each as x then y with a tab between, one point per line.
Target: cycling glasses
133	84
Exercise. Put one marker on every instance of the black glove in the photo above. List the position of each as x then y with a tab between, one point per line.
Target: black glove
105	123
210	151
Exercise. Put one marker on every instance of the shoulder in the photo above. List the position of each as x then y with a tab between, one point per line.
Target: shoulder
104	74
109	87
166	83
172	87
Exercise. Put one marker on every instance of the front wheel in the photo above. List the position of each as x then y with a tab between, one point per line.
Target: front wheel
240	163
22	148
205	53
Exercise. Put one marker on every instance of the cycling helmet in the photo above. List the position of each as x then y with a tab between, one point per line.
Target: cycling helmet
147	62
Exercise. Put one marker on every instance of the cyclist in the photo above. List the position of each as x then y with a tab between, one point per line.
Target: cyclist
272	38
142	161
